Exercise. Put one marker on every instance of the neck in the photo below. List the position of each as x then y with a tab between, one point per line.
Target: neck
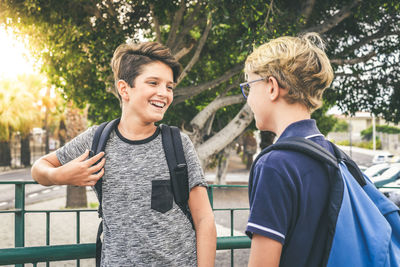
133	129
288	115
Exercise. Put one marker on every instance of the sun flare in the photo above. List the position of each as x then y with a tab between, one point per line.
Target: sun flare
15	58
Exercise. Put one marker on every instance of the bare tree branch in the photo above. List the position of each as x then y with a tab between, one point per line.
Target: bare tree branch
184	51
156	23
183	93
379	34
306	9
334	20
225	136
196	55
92	8
270	9
111	8
175	24
340	61
201	118
192	21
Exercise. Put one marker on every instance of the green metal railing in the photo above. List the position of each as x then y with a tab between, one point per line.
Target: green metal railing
21	254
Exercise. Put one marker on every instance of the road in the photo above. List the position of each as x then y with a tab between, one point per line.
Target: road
33	192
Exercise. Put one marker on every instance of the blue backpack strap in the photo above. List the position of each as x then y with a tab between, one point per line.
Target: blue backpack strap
173	149
99	144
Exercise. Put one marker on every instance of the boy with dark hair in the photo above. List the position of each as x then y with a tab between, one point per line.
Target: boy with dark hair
288	222
142	224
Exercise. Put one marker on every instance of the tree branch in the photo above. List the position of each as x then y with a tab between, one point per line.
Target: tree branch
306	9
196	55
156	23
339	61
175	24
187	26
334	20
183	93
379	34
270	9
184	51
201	118
225	136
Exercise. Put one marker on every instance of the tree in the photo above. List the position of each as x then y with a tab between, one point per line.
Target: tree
76	123
16	97
211	39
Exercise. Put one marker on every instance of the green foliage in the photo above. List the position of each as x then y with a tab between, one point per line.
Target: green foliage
341	126
367	133
76	40
325	122
365	144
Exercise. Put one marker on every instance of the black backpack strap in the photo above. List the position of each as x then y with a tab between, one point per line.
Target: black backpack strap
351	165
172	143
299	144
99	144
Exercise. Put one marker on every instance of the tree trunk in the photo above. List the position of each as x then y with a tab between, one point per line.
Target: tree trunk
76	122
267	139
5	153
76	197
249	148
62	133
222	165
25	150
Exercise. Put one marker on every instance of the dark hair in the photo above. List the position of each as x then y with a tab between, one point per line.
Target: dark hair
129	59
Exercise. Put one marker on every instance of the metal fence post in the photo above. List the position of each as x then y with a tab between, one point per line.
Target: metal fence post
19	219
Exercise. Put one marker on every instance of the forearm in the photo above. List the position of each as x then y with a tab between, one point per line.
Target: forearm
44	172
206	236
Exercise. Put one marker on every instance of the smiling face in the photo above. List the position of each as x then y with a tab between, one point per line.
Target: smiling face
151	94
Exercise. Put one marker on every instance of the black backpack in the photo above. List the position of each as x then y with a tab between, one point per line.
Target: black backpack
172	144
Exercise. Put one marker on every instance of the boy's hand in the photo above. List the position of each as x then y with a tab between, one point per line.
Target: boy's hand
81	171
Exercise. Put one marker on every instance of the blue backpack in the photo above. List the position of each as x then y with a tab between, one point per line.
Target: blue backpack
364	226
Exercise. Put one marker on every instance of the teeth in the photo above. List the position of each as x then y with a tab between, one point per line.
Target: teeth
157	104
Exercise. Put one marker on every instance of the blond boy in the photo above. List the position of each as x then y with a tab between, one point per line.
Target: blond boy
288	224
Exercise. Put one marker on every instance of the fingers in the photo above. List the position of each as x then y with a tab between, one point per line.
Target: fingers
95	158
98	166
83	156
92	179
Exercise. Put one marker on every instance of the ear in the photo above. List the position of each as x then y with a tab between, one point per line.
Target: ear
123	90
274	90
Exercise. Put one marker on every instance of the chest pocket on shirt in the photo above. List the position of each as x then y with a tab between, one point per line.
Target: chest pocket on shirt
161	195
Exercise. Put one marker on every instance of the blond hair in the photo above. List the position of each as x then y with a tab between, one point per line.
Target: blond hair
299	64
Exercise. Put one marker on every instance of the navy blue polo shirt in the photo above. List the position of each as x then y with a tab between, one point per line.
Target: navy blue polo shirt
289	199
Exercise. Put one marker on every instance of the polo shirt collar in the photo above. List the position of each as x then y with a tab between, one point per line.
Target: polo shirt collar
303	128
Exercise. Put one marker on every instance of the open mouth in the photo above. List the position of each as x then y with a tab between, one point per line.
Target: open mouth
157	104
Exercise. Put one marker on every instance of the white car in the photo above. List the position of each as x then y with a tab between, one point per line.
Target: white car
376	169
382	157
390	175
392	193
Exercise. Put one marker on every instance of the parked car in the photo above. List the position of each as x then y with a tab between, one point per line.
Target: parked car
388	176
395	159
362	167
392	193
382	157
376	169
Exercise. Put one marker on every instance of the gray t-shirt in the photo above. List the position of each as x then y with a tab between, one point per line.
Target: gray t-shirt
142	224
